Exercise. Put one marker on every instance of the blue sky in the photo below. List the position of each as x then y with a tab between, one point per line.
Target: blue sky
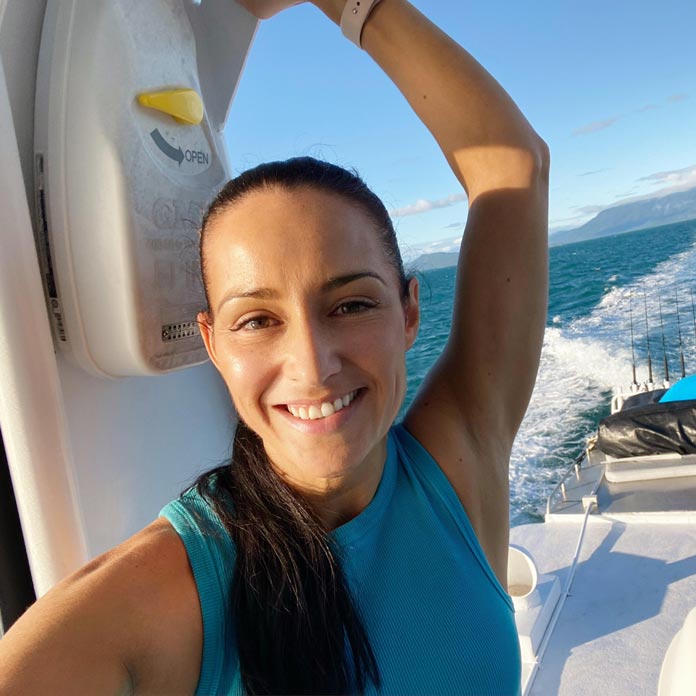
610	86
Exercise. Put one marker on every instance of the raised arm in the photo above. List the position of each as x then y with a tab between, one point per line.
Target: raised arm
472	402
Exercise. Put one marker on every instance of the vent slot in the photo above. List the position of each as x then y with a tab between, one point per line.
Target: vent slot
175	332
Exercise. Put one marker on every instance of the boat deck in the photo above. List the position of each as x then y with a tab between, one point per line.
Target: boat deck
672	495
635	580
648	498
633	587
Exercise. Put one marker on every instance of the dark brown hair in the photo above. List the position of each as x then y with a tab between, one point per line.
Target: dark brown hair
298	630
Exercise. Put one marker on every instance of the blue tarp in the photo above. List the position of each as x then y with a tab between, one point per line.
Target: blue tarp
683	390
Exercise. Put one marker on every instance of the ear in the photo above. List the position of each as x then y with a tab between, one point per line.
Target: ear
205	324
412	313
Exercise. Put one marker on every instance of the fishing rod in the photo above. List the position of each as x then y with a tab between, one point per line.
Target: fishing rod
662	330
647	337
633	352
681	352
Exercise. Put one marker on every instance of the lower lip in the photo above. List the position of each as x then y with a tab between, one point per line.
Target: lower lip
317	426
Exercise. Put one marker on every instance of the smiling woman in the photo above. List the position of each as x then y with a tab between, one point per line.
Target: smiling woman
312	307
313	316
338	552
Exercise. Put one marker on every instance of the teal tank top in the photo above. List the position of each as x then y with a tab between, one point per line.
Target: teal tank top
438	620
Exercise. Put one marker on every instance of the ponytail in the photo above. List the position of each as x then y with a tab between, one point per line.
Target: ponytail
297	629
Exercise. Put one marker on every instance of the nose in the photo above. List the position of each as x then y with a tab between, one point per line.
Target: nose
313	355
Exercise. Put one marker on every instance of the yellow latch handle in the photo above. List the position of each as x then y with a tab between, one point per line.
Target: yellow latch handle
183	104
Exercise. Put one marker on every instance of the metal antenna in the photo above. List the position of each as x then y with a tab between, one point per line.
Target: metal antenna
633	352
647	336
681	352
664	349
693	311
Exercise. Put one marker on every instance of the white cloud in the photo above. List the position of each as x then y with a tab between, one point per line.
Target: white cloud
585	210
608	122
422	205
596	126
449	244
686	176
593	172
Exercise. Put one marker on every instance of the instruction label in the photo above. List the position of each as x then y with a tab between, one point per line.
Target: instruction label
184	153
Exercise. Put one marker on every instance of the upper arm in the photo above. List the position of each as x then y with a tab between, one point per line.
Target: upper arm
490	362
125	623
473	400
67	642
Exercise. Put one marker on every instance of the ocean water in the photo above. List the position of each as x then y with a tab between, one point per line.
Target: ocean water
598	288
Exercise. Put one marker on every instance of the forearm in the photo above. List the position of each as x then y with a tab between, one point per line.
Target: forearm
482	133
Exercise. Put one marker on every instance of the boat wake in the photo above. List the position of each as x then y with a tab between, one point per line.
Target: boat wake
585	359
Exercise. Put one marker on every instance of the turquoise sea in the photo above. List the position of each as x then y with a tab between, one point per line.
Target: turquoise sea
595	288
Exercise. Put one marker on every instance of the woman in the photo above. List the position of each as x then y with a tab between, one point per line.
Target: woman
337	552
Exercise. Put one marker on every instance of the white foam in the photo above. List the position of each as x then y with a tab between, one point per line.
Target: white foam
581	364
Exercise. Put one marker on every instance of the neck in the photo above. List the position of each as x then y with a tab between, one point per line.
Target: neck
337	500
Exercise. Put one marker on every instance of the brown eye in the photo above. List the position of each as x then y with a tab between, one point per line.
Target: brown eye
255	323
354	307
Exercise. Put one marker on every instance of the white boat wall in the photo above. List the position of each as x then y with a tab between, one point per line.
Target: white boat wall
92	459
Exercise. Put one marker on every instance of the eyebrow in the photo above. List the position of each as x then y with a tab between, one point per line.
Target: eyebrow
270	294
340	281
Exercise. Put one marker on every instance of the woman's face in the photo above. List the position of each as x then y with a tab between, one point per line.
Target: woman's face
309	330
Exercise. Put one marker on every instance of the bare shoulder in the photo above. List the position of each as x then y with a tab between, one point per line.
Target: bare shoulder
153	569
127	622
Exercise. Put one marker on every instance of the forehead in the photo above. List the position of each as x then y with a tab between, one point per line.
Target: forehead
275	237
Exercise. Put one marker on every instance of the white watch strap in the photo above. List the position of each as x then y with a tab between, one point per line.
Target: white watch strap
355	14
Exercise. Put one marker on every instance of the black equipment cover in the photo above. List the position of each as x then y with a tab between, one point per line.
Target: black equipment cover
643	398
651	429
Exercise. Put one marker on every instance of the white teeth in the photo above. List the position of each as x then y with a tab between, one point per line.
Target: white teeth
327	408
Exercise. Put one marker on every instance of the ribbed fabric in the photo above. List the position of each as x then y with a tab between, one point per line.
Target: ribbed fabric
211	555
438	619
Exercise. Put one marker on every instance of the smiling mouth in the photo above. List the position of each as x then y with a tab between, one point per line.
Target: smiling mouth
322	410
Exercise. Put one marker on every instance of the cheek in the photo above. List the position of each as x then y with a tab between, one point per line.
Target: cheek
382	347
246	374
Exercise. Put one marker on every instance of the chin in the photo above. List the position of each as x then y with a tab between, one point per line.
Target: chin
316	461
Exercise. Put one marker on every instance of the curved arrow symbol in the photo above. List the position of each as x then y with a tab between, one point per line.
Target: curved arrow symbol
177	154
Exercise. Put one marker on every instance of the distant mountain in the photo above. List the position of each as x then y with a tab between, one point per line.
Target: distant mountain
429	262
651	212
675	207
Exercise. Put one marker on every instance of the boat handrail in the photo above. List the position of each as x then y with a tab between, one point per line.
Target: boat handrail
573	468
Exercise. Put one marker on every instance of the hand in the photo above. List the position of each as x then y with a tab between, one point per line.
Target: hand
263	9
